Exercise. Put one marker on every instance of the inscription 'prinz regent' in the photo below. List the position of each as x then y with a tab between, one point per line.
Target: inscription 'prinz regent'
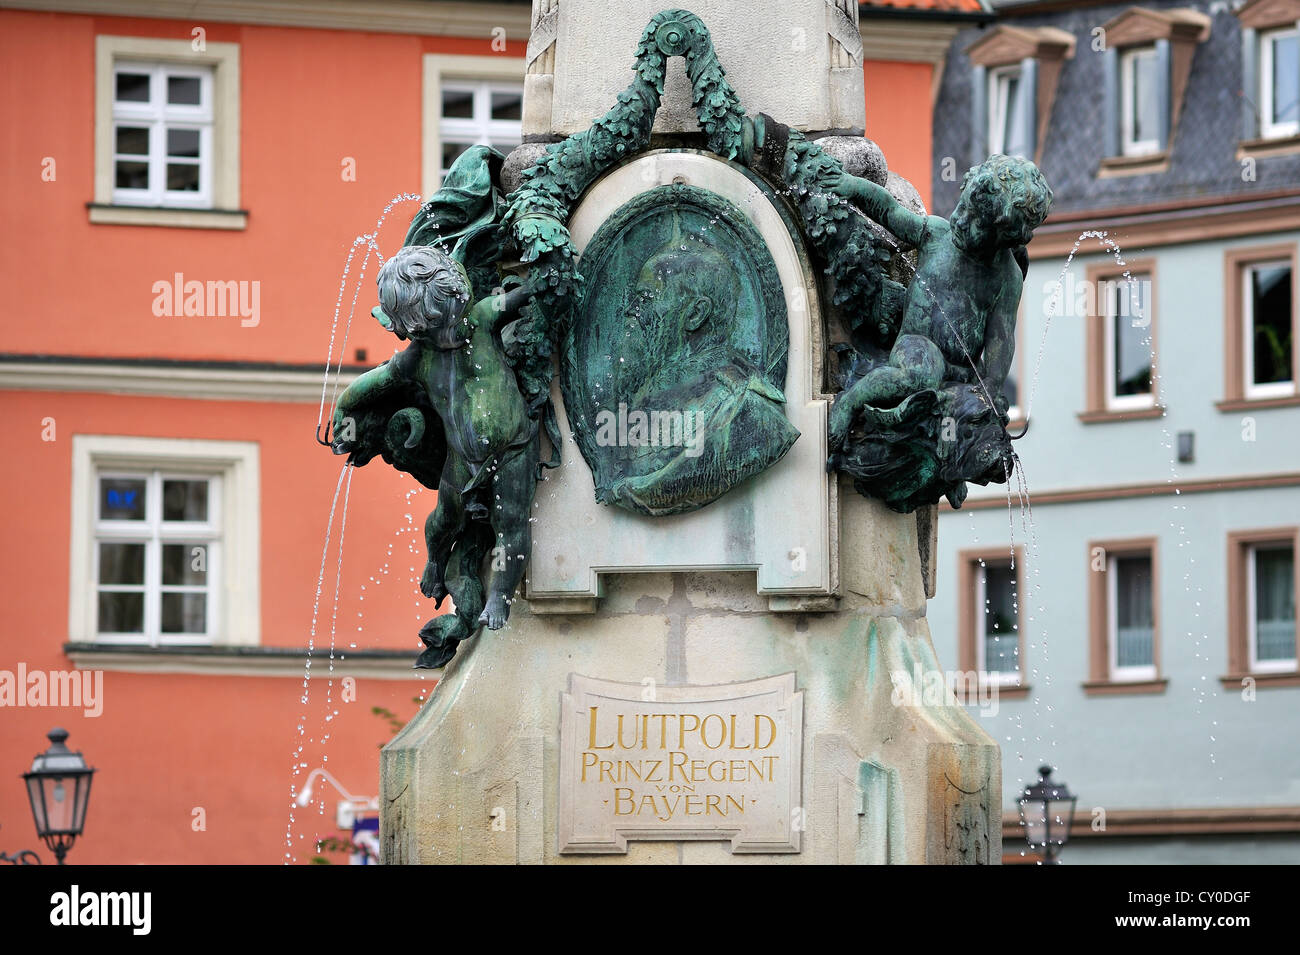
701	762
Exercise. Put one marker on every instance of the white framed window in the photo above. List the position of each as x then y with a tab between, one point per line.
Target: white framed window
1128	342
165	542
1279	83
1130	615
167	126
1271	607
479	114
997	622
1139	108
157	556
468	100
162	135
1004	108
1268	329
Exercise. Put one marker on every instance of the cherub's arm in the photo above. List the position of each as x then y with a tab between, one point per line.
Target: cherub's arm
999	347
504	308
877	203
375	384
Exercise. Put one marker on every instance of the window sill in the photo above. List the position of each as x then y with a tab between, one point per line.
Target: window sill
1232	681
243	661
1113	166
1253	404
101	214
1134	414
1124	687
1263	148
999	691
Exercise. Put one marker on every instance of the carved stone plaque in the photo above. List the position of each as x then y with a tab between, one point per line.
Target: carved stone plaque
669	763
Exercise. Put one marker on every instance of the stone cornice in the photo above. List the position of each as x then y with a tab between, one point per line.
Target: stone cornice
1004	45
169	380
1172	822
1265	14
460	19
248	661
907	40
1138	25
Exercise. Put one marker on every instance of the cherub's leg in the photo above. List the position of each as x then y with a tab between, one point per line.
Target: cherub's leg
513	489
915	363
442	527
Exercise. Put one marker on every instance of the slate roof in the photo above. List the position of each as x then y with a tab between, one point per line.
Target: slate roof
1203	163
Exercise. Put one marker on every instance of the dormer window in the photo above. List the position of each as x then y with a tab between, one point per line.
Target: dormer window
1270	80
1014	84
1148	61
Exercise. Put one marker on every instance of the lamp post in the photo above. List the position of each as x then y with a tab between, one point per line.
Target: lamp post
1047	812
58	787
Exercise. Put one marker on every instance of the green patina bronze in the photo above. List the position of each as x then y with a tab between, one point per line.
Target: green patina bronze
678	310
927	417
674	367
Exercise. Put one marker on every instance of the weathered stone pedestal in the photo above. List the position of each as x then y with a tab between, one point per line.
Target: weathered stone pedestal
475	777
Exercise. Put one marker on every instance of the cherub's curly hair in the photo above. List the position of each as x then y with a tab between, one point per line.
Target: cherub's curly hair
1003	200
418	281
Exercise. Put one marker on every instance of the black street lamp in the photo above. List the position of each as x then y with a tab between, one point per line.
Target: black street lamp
1047	812
58	787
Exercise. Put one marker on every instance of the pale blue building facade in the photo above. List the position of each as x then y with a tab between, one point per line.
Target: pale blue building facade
1145	643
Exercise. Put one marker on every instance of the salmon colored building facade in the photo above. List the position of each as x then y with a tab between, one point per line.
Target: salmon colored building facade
181	193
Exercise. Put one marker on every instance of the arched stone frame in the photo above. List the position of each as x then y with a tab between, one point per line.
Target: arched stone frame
781	523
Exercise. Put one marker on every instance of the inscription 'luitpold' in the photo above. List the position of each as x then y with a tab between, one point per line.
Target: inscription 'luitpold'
701	762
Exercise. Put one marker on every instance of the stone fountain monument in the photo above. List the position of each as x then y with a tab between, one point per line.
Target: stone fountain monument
690	370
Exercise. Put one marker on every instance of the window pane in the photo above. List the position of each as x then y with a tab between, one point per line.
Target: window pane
121	499
121	613
132	140
450	151
1011	92
184	91
182	142
1134	612
1286	79
1001	640
457	104
507	105
185	500
182	177
1132	339
1272	331
1275	603
132	175
184	613
121	563
184	565
132	88
1145	107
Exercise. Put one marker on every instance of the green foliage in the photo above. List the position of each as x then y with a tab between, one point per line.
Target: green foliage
856	258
